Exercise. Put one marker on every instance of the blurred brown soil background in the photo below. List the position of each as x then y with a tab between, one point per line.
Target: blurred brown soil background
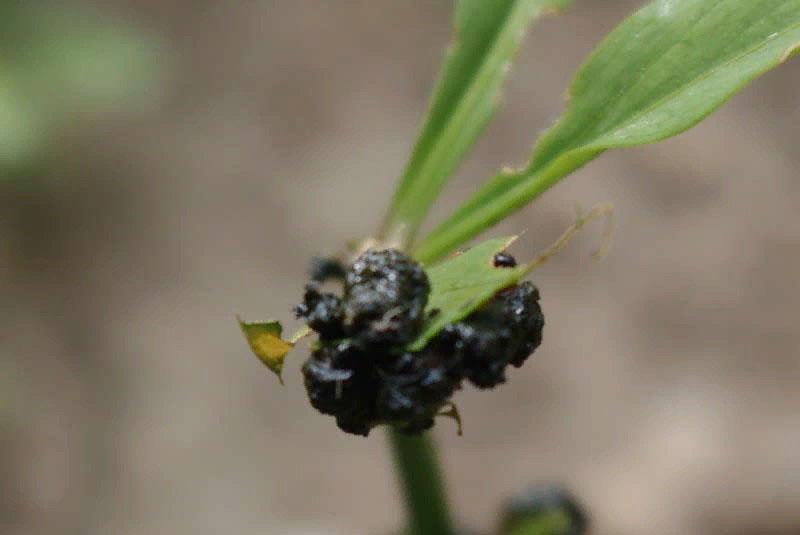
666	392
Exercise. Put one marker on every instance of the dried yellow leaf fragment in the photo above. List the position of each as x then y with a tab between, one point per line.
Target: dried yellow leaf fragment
266	342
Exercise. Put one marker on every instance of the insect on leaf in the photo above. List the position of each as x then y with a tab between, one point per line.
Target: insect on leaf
465	282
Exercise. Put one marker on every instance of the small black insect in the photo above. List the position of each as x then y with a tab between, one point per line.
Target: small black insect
503	259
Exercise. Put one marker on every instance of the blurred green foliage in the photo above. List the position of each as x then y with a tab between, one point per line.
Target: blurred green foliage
59	63
544	511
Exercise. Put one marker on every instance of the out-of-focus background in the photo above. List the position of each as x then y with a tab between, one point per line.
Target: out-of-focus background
167	164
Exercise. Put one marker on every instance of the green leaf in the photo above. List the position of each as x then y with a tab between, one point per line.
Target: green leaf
266	342
488	33
659	73
465	282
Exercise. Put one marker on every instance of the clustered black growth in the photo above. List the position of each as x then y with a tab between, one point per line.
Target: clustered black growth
360	371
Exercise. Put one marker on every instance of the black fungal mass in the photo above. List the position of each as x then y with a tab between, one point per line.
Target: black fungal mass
385	294
360	371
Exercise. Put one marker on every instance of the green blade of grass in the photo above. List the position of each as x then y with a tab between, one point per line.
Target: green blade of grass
659	73
488	33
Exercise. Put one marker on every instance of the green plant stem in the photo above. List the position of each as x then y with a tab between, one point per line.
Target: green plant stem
423	488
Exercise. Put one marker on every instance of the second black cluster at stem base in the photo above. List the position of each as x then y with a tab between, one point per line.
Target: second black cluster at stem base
360	371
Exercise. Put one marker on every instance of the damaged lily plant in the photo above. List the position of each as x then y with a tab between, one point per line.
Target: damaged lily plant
400	322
